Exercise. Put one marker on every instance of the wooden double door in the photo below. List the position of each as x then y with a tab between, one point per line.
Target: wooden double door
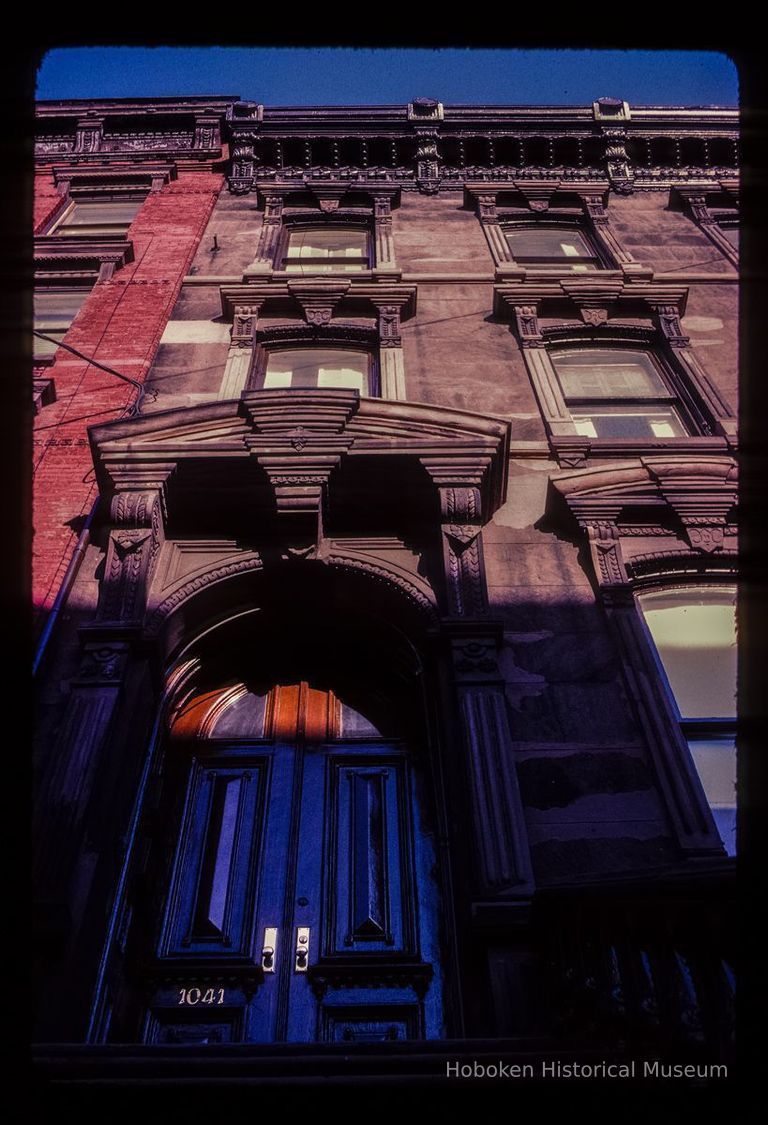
298	897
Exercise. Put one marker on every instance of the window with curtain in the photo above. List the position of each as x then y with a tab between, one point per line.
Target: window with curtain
319	367
618	393
545	247
331	249
694	631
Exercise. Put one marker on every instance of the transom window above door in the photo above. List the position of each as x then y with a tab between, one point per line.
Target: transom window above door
540	247
332	249
618	393
318	367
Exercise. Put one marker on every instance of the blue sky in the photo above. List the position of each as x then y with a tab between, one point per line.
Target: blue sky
359	76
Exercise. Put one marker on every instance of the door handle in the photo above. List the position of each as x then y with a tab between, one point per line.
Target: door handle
269	949
302	949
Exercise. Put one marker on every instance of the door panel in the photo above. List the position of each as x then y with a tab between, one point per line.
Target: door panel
285	839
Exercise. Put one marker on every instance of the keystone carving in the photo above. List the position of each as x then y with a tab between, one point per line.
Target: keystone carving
318	298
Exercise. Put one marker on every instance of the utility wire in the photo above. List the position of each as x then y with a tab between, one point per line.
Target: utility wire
132	408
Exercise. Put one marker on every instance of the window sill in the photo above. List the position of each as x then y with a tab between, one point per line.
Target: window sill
512	271
263	271
572	452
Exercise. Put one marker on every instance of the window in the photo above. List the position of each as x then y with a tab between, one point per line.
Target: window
319	367
331	249
102	218
55	309
541	247
618	393
694	631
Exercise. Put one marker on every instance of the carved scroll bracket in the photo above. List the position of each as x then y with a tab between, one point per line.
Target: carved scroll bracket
430	113
243	122
617	162
605	550
461	522
207	131
244	324
527	323
89	134
668	316
138	530
389	323
382	221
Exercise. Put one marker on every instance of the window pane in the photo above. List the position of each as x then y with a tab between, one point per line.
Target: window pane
333	249
355	725
223	857
86	213
546	242
318	367
335	242
715	761
608	373
552	248
628	421
341	377
243	718
694	630
54	311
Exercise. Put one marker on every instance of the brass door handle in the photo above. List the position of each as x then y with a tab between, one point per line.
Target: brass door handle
302	949
269	949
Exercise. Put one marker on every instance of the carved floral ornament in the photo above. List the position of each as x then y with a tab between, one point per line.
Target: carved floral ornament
698	496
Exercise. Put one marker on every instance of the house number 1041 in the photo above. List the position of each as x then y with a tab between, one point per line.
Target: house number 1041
197	996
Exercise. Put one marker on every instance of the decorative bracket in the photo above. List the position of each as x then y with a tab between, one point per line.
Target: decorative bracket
605	549
427	158
244	324
461	520
137	519
243	120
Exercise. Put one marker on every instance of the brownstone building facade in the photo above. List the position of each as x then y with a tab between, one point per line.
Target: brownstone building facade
385	564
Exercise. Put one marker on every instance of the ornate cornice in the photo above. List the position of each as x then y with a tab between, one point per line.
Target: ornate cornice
423	145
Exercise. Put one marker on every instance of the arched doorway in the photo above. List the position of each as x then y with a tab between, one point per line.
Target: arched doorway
291	890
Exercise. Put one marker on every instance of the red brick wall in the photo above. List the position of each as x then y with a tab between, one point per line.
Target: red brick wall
120	324
47	199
